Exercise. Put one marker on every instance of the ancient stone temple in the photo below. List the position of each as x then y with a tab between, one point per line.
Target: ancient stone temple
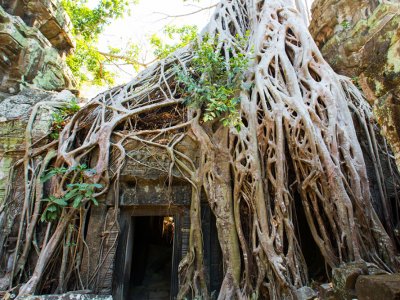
34	40
141	245
155	227
142	261
361	39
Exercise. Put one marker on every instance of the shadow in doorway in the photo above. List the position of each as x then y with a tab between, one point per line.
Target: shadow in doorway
151	263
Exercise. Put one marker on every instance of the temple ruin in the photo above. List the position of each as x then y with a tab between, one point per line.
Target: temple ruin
300	203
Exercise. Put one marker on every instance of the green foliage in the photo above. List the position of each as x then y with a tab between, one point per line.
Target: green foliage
87	64
181	37
53	209
213	82
78	192
88	23
129	55
54	171
345	24
356	81
61	116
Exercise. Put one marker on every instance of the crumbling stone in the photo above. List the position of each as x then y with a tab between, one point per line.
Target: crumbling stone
344	279
378	287
375	270
14	114
326	292
46	15
305	293
28	58
361	39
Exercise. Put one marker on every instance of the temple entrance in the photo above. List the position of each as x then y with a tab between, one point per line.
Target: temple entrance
148	253
151	267
152	241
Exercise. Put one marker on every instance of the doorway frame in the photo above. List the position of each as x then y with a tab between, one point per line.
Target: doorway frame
124	252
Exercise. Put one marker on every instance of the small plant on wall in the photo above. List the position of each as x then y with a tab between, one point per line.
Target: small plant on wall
77	193
213	81
61	117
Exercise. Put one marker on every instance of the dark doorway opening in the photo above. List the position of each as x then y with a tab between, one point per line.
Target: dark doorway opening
152	252
317	268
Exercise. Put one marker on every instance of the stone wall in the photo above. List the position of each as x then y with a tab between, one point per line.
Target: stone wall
47	16
35	36
34	40
143	190
361	39
15	112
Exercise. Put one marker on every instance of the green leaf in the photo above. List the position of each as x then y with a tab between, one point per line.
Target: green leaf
52	172
51	208
83	186
95	202
70	194
77	201
47	176
52	216
61	202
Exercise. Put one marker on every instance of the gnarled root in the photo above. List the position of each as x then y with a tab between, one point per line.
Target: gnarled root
297	143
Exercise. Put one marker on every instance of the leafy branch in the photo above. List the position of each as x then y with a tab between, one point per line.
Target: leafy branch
86	63
77	194
61	116
213	82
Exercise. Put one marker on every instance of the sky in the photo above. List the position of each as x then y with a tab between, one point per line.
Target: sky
146	18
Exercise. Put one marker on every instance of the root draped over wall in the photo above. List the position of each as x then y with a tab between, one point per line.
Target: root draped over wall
297	142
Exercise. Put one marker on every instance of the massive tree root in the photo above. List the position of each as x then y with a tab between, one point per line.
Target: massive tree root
297	142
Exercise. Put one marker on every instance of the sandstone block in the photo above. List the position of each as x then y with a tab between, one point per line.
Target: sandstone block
344	279
378	287
306	293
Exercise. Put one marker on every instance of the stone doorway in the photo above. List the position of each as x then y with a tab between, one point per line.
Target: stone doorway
151	268
148	253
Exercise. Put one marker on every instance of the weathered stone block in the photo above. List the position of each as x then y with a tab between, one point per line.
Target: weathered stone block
375	270
361	39
326	292
306	293
344	279
14	114
27	57
378	287
154	192
46	15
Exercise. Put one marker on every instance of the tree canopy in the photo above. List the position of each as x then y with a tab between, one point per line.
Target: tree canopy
88	23
89	64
